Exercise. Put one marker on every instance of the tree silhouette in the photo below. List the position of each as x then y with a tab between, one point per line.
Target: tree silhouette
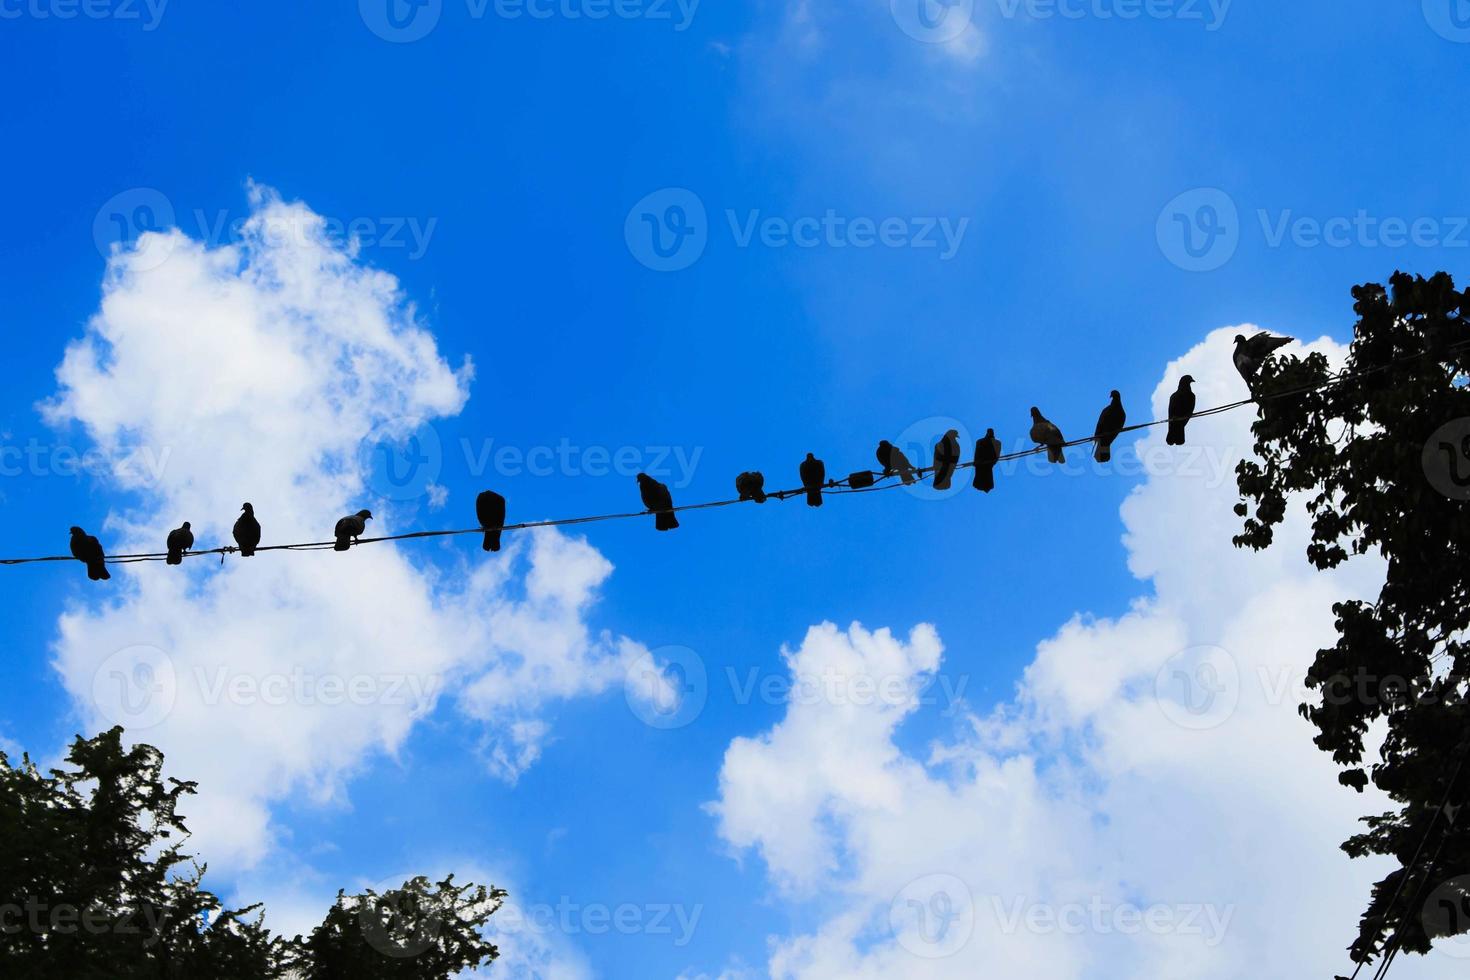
94	884
1384	459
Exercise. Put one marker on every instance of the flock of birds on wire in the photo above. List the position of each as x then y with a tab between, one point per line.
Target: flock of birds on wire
1250	354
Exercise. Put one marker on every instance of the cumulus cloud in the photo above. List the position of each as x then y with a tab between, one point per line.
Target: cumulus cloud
1149	804
256	371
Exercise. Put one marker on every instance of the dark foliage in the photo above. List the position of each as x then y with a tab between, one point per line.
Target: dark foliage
93	885
1383	459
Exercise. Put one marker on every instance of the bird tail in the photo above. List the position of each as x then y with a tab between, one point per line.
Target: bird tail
984	479
666	521
97	572
492	540
1176	434
247	552
343	543
1056	454
814	498
1103	453
175	558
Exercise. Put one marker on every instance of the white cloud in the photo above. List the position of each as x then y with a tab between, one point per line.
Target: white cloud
1109	821
254	371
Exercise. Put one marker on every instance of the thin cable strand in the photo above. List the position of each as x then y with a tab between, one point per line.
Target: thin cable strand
831	487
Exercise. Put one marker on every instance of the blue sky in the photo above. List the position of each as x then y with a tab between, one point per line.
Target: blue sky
499	168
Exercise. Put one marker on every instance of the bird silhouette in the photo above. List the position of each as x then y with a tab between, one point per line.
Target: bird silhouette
1181	407
892	459
1044	433
1251	353
751	486
813	478
350	528
946	458
987	454
656	497
490	509
180	540
1109	423
247	532
85	548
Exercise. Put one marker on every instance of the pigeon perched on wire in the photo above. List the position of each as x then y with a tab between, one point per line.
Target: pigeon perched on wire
987	454
892	459
247	532
751	486
180	540
946	458
1109	424
656	498
490	509
350	528
87	549
813	478
1251	353
1045	433
1181	407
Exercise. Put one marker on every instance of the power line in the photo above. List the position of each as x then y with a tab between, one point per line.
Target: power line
881	481
1392	949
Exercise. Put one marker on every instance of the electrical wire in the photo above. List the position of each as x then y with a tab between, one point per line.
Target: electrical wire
882	481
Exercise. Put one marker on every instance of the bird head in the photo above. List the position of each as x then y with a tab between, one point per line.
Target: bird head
1035	412
810	456
644	478
366	515
1186	381
1240	338
248	508
1115	395
77	531
885	444
990	433
952	434
187	525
